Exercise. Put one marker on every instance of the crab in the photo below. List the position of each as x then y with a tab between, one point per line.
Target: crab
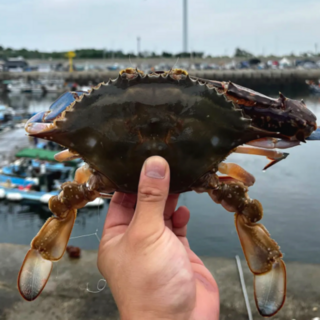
194	124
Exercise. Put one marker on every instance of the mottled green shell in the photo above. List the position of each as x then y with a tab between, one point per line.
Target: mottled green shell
121	123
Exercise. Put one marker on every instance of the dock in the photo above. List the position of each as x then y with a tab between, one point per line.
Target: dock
286	79
67	295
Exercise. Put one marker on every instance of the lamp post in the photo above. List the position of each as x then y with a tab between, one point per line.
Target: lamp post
185	26
138	45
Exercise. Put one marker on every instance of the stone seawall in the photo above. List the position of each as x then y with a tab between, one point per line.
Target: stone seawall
284	80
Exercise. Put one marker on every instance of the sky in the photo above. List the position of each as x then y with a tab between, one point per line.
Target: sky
214	27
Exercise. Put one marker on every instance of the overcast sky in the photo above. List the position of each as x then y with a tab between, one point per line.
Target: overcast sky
215	27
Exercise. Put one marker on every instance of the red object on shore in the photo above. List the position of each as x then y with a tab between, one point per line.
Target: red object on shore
74	252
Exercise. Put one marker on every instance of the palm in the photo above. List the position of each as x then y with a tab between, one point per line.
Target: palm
168	262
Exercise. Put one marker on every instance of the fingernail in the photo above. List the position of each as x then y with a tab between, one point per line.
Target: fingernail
155	168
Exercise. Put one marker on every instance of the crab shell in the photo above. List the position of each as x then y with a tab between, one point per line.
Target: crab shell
193	123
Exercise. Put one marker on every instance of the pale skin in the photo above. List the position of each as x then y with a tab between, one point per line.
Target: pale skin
145	256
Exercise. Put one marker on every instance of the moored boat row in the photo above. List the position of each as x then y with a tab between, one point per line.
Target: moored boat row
36	176
36	86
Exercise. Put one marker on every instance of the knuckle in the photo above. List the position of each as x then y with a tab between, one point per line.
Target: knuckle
151	194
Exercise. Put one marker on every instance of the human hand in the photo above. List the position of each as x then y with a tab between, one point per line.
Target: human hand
145	257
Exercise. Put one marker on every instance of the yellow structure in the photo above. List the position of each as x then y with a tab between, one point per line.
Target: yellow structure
70	55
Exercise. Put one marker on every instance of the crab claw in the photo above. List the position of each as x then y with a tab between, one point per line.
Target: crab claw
315	135
43	121
61	104
35	124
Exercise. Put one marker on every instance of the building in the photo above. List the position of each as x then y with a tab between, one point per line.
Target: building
2	65
15	64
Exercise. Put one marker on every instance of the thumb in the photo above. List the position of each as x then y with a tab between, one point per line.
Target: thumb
152	196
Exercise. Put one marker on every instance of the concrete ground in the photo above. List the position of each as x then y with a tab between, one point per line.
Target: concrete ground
65	296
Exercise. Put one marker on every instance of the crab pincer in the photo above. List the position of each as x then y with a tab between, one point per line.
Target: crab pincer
195	124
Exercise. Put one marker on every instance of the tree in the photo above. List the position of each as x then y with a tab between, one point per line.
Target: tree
166	54
242	53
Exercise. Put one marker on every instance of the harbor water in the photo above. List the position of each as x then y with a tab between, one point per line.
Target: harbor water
288	191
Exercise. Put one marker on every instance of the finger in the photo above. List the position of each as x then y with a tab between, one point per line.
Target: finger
170	206
169	209
121	210
152	196
180	217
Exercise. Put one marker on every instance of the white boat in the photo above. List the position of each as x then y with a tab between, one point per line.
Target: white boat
19	85
37	87
53	85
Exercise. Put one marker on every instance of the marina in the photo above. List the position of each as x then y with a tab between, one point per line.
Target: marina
288	192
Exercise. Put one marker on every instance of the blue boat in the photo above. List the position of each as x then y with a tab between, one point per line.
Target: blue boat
36	176
17	181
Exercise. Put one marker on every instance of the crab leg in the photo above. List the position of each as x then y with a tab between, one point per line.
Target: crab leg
262	253
235	171
273	143
273	155
66	155
51	241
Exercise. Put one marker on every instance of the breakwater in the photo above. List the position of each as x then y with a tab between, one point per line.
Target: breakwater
286	80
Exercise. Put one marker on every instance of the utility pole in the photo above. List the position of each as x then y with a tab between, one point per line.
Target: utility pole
138	45
316	48
185	26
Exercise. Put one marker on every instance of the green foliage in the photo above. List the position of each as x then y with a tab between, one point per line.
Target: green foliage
189	54
242	53
167	54
89	53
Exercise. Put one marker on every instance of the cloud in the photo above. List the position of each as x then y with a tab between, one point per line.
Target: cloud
215	27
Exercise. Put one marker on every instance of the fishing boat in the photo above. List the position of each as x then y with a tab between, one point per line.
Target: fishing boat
37	176
18	86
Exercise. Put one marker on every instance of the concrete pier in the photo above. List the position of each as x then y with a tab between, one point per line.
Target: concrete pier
290	79
65	296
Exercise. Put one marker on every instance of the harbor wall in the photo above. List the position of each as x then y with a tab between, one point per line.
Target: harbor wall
286	80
